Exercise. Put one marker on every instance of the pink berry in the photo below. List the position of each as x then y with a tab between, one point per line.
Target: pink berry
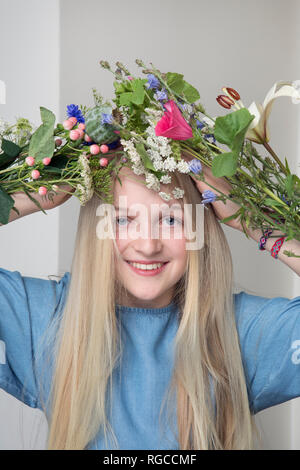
46	160
58	142
73	119
35	174
87	138
42	190
81	126
29	161
68	124
130	77
103	161
74	134
104	148
81	133
95	149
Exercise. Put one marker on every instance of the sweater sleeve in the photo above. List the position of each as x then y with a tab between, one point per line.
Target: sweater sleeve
26	306
269	333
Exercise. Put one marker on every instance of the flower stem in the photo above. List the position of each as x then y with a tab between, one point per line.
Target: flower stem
271	151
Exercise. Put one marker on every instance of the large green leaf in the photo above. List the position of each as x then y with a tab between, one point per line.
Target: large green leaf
10	148
6	204
225	164
42	141
175	82
190	93
10	153
231	129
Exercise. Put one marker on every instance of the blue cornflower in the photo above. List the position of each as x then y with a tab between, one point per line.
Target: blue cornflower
199	124
195	166
114	144
208	196
210	136
153	82
107	118
74	111
284	199
161	95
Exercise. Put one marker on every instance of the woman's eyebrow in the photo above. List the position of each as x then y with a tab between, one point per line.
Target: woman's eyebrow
161	210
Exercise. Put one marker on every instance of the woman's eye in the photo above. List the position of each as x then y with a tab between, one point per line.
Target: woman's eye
120	221
172	221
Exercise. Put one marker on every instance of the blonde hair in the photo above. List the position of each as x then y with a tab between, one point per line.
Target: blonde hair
208	379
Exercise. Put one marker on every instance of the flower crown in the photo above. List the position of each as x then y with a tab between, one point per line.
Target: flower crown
148	126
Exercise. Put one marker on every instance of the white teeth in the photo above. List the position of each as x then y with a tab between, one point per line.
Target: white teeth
147	267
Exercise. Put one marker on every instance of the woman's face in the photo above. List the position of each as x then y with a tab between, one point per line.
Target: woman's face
148	232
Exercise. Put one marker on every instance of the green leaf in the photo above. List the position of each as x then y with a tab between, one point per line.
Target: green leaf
125	98
231	129
139	92
36	202
144	156
10	148
231	217
190	93
287	166
6	204
175	82
225	164
42	141
272	202
289	183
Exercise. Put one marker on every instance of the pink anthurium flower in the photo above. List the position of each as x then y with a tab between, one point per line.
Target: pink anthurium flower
172	124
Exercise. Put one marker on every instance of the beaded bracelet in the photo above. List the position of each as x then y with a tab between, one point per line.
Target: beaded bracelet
264	238
276	247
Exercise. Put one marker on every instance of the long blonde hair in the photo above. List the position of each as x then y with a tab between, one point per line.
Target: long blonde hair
208	379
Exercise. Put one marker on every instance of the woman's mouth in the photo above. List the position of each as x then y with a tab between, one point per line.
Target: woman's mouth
147	269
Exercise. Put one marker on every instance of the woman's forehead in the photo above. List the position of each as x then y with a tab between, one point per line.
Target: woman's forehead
135	190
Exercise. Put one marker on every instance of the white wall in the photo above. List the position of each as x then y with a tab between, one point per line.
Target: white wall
29	65
246	44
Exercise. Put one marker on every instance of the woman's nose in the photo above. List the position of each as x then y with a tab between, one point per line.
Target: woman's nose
148	246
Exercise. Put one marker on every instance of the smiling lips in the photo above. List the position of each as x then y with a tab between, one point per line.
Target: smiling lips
147	268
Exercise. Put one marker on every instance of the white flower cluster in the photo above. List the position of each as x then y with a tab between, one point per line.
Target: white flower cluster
84	191
129	147
159	151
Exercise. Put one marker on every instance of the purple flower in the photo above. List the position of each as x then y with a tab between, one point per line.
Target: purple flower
74	111
199	124
153	82
284	199
106	118
195	166
161	95
208	196
210	136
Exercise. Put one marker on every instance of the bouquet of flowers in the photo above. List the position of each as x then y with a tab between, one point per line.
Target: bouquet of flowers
151	123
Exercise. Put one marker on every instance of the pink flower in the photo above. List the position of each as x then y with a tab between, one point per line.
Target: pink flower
35	174
30	161
42	190
104	148
94	149
172	124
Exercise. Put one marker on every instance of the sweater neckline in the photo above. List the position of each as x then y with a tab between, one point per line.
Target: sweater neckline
170	308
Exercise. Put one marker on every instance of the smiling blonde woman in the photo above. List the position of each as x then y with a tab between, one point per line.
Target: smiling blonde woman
143	345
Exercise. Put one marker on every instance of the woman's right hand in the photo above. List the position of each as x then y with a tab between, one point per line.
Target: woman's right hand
26	206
